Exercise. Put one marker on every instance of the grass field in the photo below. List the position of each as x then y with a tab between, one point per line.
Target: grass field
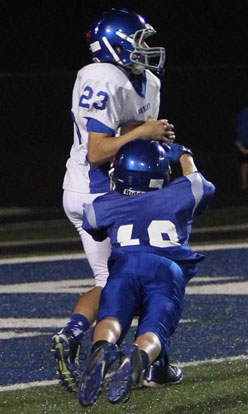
62	228
223	217
219	388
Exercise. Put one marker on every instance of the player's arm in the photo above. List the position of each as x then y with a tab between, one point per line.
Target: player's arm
179	154
187	164
90	225
102	147
241	148
202	189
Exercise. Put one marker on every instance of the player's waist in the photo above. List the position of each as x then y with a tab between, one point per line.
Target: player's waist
95	178
179	254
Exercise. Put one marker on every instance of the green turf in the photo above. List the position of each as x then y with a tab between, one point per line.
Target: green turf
222	217
210	388
38	232
63	228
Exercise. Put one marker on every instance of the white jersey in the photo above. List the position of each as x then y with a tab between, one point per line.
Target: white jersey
102	91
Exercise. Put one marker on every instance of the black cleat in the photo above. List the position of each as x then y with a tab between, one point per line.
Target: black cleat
91	383
161	372
127	375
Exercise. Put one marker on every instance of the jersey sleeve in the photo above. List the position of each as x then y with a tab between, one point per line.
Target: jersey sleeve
96	126
202	191
90	224
100	95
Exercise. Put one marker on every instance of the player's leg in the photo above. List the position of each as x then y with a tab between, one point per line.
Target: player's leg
118	304
161	315
134	363
97	254
66	342
133	360
120	300
103	353
102	357
244	175
162	306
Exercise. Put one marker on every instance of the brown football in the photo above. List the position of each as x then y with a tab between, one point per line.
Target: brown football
128	126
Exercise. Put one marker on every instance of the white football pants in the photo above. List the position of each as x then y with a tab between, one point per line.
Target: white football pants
97	252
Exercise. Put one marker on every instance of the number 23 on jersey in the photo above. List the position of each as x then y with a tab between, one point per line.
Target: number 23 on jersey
96	99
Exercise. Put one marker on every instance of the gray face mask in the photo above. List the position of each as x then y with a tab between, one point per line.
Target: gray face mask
152	58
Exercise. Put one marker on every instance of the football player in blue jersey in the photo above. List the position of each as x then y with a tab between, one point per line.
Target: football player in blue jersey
149	266
241	143
120	85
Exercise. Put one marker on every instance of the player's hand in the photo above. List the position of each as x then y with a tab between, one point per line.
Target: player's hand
169	134
175	151
158	130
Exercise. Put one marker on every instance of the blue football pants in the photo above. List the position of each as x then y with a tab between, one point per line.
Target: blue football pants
146	285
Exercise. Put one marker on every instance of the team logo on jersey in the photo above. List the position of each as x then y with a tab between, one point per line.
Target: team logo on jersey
144	108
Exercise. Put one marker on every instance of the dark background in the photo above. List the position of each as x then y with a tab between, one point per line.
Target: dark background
42	47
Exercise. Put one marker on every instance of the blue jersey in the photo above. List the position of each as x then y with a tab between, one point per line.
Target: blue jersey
242	131
158	222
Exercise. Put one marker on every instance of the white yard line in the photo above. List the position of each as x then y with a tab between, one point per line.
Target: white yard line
45	258
23	386
24	323
212	361
12	334
60	286
78	256
15	323
207	279
232	286
81	285
226	246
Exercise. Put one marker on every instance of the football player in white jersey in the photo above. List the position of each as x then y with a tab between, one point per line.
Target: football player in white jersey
118	87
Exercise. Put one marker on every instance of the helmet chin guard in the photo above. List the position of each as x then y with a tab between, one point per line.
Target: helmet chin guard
119	37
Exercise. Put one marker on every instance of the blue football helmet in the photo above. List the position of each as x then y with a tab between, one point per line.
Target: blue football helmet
119	37
140	166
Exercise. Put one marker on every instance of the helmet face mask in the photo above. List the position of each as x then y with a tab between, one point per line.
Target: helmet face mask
152	58
140	166
119	37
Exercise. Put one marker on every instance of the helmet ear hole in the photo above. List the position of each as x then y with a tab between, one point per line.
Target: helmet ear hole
118	48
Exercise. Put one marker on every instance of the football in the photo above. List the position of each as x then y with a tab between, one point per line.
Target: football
128	126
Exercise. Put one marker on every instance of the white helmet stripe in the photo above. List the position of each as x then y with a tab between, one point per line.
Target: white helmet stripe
111	50
124	36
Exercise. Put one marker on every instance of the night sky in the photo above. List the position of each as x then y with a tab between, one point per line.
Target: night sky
42	47
43	34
